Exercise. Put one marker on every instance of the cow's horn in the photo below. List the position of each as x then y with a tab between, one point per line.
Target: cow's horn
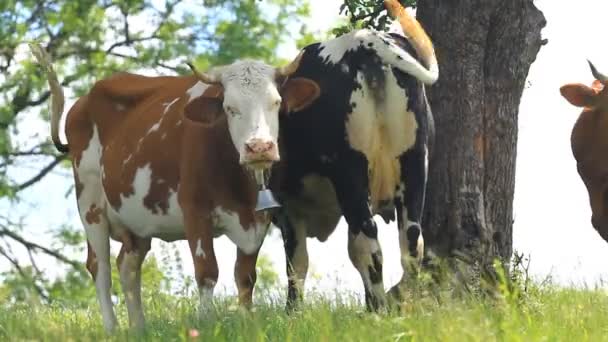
291	67
599	76
205	77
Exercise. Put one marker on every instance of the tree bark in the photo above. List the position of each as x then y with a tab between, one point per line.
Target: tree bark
485	49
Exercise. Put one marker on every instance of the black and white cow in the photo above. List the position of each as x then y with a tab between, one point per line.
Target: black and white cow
360	149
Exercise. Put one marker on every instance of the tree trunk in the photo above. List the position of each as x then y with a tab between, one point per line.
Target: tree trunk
485	49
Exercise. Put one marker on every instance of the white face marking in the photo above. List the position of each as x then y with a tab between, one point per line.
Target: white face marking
199	252
248	239
382	131
251	103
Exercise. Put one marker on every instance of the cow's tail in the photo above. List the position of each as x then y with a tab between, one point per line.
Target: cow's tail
57	97
415	34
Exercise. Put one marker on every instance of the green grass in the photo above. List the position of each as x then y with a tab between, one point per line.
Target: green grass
546	313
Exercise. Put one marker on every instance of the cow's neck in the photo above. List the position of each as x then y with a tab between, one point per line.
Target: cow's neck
235	183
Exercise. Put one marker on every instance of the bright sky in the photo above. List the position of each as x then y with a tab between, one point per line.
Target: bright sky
552	216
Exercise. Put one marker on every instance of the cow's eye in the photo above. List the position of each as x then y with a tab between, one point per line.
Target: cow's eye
277	103
231	110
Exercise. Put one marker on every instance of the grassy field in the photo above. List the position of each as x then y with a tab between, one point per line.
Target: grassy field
543	313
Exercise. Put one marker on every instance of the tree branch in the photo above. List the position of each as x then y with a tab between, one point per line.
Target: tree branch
43	172
23	274
4	231
131	41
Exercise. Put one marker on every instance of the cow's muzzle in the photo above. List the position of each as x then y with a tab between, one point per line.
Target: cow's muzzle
260	154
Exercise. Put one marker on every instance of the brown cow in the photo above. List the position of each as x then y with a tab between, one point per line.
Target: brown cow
171	158
590	144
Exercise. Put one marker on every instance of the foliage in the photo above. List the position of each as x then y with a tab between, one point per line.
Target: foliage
366	13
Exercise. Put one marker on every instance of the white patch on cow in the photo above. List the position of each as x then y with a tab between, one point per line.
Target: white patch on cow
382	131
168	105
89	161
141	220
154	127
206	303
97	233
251	102
426	161
162	137
120	107
345	68
248	239
333	51
128	270
103	171
196	90
139	143
126	161
199	252
360	250
179	122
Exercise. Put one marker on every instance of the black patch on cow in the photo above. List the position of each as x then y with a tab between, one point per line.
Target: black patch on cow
375	269
403	43
386	210
369	229
288	233
413	232
290	243
371	302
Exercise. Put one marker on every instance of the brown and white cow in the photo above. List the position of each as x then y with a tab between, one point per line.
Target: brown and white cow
171	158
589	141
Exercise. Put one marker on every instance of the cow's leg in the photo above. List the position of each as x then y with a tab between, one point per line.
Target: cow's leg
200	239
129	263
296	257
245	276
352	190
409	204
97	229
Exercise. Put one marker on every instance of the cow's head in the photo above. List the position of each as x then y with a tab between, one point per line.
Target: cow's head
590	143
251	94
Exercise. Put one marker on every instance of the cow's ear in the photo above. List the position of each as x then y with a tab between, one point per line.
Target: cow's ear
206	109
299	93
597	86
578	94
